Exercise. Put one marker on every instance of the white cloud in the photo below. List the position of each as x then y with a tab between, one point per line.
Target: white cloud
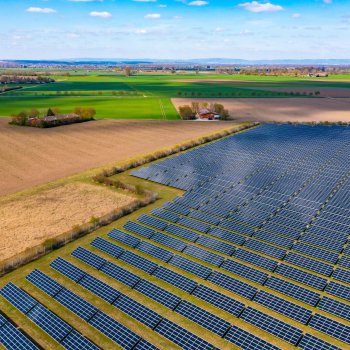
328	1
256	6
141	31
198	3
162	6
153	15
296	15
102	14
40	10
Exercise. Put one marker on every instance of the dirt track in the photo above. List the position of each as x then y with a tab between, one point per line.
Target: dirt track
282	109
30	156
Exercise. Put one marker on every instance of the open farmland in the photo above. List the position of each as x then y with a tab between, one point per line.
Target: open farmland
148	96
253	255
31	156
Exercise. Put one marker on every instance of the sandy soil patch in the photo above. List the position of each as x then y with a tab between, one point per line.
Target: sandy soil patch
28	221
282	109
30	156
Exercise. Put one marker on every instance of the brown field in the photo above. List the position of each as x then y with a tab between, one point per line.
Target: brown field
29	220
282	109
30	156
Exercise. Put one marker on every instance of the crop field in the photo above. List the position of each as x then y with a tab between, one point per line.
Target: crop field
148	96
247	248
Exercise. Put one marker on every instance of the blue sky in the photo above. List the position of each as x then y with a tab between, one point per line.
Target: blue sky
264	29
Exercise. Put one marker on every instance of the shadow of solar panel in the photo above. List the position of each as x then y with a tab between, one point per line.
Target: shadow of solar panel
175	279
265	248
219	300
235	286
305	295
227	235
89	257
165	214
18	298
247	341
168	241
342	275
138	261
338	290
49	322
115	331
75	341
284	307
45	283
331	327
138	311
107	247
145	345
194	224
151	221
182	337
301	276
158	294
255	259
335	307
182	232
68	269
12	339
153	250
272	325
120	274
139	229
190	266
215	244
204	255
310	342
244	271
124	238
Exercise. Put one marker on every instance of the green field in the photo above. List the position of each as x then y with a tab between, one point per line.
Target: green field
148	96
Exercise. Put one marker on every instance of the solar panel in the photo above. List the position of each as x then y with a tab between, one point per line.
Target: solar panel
284	287
45	283
335	307
204	255
120	274
219	300
177	208
247	341
284	307
235	286
244	271
265	248
331	327
215	244
150	221
153	250
310	342
227	235
139	229
274	239
235	226
344	261
175	279
138	261
107	247
190	266
202	317
88	257
194	224
342	275
68	269
138	311
272	325
182	232
165	214
338	290
301	276
315	252
145	345
114	330
255	259
168	241
182	337
124	238
75	341
158	294
12	339
206	217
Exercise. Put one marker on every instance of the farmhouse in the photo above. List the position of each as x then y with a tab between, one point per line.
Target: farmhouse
205	113
61	117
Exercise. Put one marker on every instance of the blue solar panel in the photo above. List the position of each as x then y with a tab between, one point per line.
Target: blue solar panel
338	290
182	337
342	275
165	214
247	341
75	341
194	224
68	269
227	235
182	232
265	249
272	325
335	307
145	345
190	266
175	279
124	238
153	250
168	241
138	261
310	342
255	259
204	255
274	239
219	300
151	221
215	244
139	229
107	247
202	317
88	257
45	283
120	274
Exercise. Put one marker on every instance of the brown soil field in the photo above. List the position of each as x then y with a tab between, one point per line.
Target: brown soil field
282	109
31	156
30	220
